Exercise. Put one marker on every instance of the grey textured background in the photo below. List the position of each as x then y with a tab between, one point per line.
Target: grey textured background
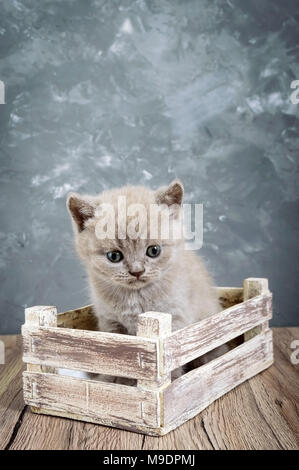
101	93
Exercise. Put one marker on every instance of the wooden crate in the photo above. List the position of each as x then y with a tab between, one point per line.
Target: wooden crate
156	405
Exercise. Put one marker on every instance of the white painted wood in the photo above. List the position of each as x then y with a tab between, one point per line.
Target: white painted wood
155	325
127	426
82	318
115	404
91	351
40	315
191	393
199	338
253	287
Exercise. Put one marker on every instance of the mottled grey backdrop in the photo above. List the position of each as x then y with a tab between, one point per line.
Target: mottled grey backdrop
102	93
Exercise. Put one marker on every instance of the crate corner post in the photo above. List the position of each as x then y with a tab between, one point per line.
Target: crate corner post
260	287
156	325
252	287
35	317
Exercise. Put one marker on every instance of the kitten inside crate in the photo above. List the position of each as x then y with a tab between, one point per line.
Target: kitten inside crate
139	272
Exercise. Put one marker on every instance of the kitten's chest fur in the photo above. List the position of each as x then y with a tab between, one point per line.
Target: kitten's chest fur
124	307
186	293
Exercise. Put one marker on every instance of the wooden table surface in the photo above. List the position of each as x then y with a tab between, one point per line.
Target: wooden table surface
262	413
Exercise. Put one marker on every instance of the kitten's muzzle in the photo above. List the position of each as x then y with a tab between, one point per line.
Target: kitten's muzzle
137	274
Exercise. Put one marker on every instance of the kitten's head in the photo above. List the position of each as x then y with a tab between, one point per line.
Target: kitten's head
128	236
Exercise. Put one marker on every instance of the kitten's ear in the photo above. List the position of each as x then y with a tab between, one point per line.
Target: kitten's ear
172	194
80	208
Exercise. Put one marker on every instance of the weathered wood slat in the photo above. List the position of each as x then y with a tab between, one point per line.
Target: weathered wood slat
155	325
89	351
82	318
194	391
122	425
252	287
110	404
40	315
199	338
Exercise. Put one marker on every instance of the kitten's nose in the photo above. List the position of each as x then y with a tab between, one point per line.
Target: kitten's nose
137	273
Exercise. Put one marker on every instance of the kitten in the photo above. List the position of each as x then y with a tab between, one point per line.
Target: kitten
131	276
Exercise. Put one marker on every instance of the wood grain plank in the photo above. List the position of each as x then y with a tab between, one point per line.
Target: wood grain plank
86	436
189	436
187	344
234	422
11	389
252	287
39	432
42	432
104	403
89	351
282	382
194	391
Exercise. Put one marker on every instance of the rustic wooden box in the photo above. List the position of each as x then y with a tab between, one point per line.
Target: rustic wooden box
155	406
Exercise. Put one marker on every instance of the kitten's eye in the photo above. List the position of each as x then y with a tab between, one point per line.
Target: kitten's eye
153	251
115	256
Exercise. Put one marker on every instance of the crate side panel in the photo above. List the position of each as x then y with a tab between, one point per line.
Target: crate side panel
197	389
150	430
117	404
199	338
88	351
